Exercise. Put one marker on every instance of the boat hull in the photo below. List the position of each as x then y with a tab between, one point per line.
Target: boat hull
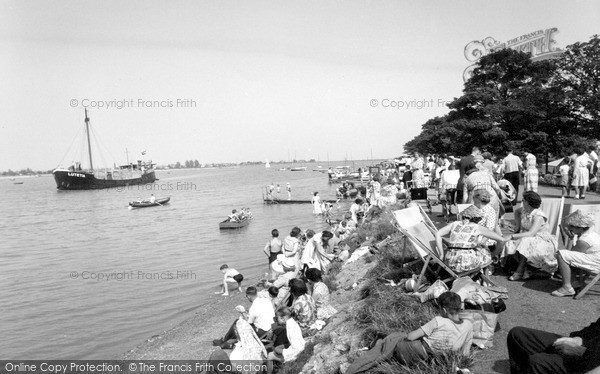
147	204
233	225
83	180
280	201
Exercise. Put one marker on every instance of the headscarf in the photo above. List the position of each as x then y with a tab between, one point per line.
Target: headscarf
580	219
472	212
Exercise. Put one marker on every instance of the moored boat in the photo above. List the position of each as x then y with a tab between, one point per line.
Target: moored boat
282	201
148	203
298	168
229	224
76	178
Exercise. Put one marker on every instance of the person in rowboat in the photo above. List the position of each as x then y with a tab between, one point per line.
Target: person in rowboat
152	199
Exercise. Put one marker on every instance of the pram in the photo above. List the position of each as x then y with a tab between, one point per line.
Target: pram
508	194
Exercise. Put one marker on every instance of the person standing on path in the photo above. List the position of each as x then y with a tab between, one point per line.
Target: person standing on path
531	173
581	174
512	165
465	164
289	191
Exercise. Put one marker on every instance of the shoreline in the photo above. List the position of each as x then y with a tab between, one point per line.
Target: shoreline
529	304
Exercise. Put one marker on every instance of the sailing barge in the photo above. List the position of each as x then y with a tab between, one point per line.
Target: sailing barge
76	178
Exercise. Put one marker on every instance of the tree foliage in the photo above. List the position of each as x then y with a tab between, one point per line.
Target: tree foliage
513	102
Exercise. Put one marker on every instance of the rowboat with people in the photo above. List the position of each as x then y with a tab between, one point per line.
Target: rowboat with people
228	224
237	219
148	203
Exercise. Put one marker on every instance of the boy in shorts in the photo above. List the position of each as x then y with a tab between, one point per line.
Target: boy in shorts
230	276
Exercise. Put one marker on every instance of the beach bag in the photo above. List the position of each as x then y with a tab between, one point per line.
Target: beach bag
484	326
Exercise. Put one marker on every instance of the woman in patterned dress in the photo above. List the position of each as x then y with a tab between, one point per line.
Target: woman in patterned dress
303	305
476	179
466	247
418	176
320	294
533	243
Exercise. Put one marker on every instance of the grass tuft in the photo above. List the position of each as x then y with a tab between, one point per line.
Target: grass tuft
439	363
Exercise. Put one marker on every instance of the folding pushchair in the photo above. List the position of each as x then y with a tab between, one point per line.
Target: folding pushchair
414	223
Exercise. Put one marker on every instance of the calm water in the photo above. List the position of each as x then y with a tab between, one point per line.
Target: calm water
49	313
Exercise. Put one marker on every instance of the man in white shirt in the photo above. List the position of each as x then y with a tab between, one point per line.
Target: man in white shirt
261	316
261	313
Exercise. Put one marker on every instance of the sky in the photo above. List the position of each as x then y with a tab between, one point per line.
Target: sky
236	81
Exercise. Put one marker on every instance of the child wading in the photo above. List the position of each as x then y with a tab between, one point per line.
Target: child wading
230	276
444	333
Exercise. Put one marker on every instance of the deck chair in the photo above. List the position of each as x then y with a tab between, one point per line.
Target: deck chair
414	223
593	209
553	208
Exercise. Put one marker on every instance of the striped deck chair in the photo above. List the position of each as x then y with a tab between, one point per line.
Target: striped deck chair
414	223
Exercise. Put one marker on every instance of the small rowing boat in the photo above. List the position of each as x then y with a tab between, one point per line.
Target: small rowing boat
148	203
229	224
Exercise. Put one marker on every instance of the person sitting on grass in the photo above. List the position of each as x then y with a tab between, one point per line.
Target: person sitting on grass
230	276
444	333
584	255
320	294
294	336
303	305
249	349
271	294
259	316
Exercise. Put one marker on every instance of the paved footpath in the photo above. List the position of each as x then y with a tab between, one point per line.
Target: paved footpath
530	303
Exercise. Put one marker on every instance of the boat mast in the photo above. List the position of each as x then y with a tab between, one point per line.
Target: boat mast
87	131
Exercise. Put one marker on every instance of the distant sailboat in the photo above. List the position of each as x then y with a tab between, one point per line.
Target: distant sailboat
267	165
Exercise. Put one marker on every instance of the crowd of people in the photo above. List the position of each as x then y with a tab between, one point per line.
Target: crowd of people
274	192
295	301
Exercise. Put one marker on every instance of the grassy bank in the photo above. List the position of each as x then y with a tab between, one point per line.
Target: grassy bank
370	308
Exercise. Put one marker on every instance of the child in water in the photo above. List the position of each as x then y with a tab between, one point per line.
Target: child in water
230	276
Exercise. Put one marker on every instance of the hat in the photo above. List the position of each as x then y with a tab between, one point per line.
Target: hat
284	264
478	158
580	219
471	212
